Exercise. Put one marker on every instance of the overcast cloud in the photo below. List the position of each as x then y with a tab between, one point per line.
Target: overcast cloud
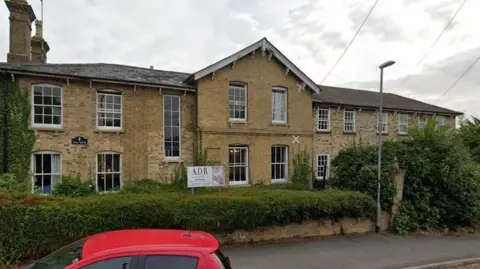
187	35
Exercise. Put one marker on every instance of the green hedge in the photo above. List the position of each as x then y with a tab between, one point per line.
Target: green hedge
37	226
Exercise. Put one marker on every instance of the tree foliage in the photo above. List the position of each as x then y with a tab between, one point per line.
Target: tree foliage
20	138
469	132
441	189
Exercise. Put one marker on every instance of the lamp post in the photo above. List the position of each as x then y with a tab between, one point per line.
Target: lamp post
379	131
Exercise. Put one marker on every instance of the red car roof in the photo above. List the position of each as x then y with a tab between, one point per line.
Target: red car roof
148	238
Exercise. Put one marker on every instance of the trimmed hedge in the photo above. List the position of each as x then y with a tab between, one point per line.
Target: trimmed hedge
35	226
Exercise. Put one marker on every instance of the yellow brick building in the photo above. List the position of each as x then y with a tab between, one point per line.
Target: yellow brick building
251	111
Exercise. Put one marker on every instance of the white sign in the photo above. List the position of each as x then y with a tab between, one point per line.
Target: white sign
205	176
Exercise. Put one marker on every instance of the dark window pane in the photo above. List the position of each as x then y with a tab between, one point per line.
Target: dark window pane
115	263
38	119
38	182
101	182
57	101
176	134
56	92
57	120
47	163
47	183
231	174
47	91
47	100
109	162
47	119
47	110
38	163
101	122
101	163
175	104
38	100
38	110
175	119
168	118
117	123
167	102
117	99
116	181
109	99
171	262
37	90
57	111
176	149
109	179
116	163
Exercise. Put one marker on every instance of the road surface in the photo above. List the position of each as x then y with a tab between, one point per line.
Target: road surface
359	252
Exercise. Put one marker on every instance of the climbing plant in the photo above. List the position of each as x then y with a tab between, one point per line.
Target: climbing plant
20	138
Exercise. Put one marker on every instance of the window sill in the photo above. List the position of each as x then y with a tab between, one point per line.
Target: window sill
237	122
323	131
115	131
238	185
47	128
402	134
278	181
280	124
349	132
172	160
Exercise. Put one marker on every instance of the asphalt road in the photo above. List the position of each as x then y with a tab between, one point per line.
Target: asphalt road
359	252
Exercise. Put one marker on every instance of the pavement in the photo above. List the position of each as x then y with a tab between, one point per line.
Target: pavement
374	251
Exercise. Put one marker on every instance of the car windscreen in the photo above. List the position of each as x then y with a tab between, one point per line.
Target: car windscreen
60	258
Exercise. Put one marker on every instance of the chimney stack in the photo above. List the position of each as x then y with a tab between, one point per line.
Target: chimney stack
21	18
39	46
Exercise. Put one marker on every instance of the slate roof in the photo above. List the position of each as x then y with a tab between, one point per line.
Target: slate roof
105	71
371	99
132	74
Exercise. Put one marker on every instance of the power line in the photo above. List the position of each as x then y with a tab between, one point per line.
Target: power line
459	78
351	41
433	44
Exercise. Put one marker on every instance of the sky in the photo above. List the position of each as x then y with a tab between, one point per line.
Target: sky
187	35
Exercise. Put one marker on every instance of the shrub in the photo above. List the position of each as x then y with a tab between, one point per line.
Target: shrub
301	169
73	187
30	230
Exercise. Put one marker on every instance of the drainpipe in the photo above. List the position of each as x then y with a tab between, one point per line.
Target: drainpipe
5	125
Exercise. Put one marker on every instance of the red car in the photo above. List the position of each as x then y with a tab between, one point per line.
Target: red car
139	249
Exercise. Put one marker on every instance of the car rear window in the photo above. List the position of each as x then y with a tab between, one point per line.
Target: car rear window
170	262
60	258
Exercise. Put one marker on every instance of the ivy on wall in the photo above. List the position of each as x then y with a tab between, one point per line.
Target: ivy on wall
20	139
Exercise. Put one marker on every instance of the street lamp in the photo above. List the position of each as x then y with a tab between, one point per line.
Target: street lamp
379	131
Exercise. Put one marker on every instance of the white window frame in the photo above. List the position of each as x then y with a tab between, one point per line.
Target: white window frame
323	120
105	110
106	173
284	92
284	164
401	123
442	120
383	123
179	128
246	165
43	125
43	174
422	121
327	171
233	103
352	121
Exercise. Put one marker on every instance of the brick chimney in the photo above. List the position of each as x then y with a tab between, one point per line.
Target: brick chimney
39	46
21	18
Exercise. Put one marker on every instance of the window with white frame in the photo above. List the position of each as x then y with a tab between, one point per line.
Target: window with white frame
237	102
109	171
440	121
279	105
422	121
238	165
47	171
171	126
279	163
402	123
323	116
384	122
109	110
349	120
323	166
47	106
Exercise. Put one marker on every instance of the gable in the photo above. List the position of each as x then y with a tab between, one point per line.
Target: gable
266	49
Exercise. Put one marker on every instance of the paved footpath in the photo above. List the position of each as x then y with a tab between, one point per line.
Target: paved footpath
360	252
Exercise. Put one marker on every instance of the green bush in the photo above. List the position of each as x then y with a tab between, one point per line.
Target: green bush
73	187
301	169
355	169
35	227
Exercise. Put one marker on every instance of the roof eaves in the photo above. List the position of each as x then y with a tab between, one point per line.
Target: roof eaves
13	70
